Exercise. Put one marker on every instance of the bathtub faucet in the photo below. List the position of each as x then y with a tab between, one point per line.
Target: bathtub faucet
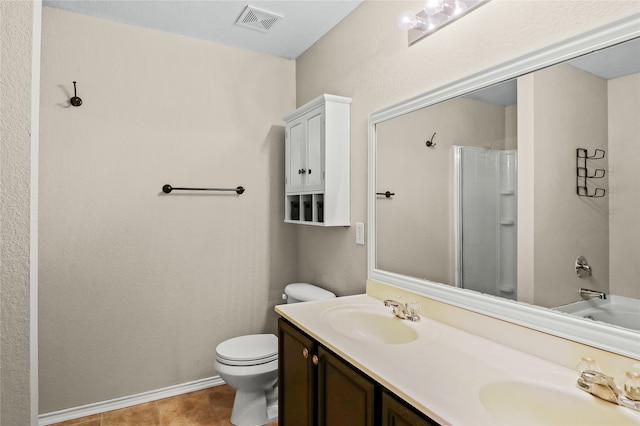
585	293
582	266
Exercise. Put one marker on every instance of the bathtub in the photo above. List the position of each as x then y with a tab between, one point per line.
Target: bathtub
616	310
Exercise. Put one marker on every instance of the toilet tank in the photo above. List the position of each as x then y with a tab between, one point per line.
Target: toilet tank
303	292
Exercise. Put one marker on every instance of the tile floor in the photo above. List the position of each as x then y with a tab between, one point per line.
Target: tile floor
208	407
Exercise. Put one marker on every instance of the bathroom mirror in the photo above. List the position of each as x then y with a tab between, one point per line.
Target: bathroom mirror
480	194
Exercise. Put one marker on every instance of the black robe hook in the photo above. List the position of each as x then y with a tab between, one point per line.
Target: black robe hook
75	101
430	143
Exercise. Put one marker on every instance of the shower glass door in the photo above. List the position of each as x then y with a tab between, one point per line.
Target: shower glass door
485	215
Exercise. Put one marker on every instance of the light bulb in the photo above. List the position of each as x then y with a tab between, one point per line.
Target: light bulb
459	7
407	20
433	7
427	23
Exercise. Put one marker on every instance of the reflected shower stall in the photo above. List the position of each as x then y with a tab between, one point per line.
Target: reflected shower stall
485	205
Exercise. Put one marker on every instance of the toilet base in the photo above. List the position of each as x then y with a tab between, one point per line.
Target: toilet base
256	392
272	404
251	408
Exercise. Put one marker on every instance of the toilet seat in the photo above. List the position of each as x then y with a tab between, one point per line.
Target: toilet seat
253	349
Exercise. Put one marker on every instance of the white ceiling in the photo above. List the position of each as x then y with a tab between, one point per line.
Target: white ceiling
303	21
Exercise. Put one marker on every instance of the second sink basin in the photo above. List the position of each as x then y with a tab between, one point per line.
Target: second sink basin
368	324
527	403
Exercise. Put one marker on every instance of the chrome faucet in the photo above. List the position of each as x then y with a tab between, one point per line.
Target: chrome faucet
604	387
582	265
586	293
599	384
409	311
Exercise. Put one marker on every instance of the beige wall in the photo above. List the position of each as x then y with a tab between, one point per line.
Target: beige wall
526	185
511	126
415	228
137	287
624	185
366	57
16	26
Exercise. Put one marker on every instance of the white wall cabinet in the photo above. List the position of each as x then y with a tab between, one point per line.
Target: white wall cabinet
317	162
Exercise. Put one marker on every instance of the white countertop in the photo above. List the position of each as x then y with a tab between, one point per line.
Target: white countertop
442	371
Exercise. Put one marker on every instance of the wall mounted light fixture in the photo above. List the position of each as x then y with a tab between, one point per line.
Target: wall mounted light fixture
435	15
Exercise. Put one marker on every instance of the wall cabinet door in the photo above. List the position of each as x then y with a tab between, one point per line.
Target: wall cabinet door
304	148
314	159
295	155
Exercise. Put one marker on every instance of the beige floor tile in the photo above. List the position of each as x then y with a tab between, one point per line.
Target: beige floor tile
143	414
208	407
93	420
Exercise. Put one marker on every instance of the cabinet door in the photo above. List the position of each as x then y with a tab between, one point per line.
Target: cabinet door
314	157
395	413
295	377
345	396
295	155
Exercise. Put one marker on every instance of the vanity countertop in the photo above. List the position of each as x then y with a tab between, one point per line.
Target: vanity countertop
441	372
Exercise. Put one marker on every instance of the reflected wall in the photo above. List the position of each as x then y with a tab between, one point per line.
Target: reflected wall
624	185
414	227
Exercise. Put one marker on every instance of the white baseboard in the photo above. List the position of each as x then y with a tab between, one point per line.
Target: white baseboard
127	401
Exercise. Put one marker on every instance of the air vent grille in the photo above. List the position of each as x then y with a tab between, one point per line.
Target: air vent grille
257	19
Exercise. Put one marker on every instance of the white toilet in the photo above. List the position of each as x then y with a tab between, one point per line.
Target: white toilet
249	364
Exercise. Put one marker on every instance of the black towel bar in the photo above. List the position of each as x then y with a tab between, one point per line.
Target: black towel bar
387	194
168	188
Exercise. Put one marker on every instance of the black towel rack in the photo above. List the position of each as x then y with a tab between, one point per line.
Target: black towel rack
583	173
168	188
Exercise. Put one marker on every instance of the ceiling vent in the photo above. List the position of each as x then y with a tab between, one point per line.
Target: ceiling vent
257	19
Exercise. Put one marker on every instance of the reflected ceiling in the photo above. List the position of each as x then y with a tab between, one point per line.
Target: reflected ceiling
610	63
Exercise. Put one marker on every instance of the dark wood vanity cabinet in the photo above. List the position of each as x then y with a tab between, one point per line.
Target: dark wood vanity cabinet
296	377
344	395
396	413
318	388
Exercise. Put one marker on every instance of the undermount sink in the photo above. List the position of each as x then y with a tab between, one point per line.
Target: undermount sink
528	403
368	324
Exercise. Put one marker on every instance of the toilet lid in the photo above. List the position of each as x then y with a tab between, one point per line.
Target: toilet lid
248	350
307	292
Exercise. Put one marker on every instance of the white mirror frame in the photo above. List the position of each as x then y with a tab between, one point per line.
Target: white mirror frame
600	335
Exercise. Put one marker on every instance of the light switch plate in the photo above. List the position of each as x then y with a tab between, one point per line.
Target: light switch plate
360	233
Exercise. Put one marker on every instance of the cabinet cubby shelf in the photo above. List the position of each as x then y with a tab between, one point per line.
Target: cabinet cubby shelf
306	209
